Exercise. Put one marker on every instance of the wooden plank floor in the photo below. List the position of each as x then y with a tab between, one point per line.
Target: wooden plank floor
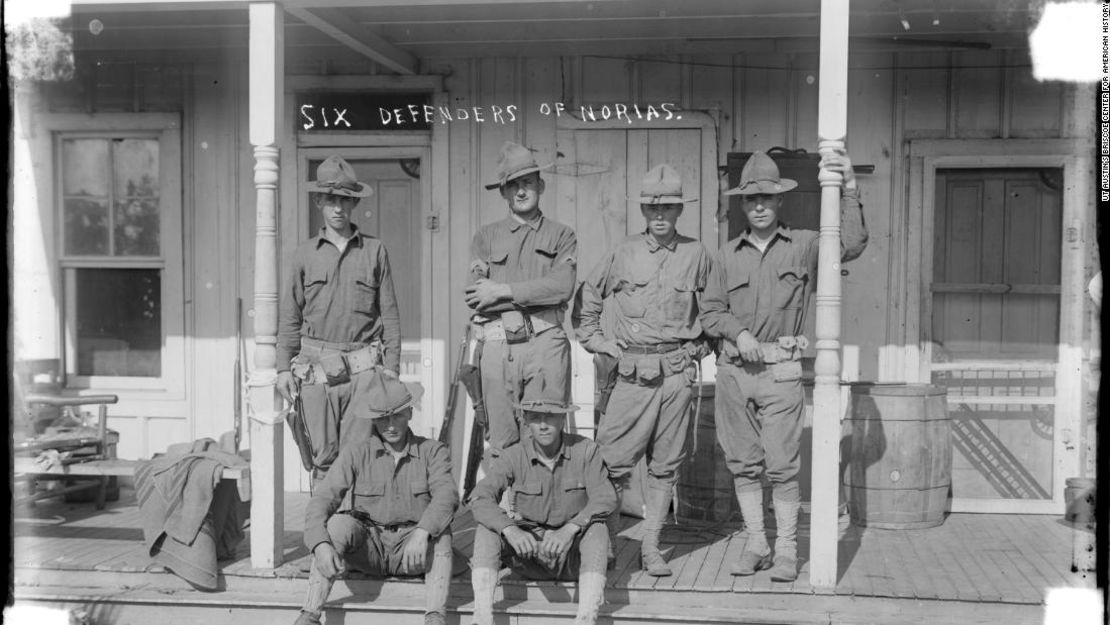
985	558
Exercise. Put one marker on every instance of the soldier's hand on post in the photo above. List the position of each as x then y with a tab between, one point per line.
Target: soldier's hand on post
748	346
390	373
841	164
327	561
416	549
555	544
485	293
287	386
522	542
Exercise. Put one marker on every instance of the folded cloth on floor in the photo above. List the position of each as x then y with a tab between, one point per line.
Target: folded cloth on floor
191	519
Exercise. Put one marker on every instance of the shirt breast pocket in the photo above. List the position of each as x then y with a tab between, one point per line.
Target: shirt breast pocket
790	290
574	497
632	290
546	254
529	499
420	488
498	260
366	301
680	304
314	279
369	496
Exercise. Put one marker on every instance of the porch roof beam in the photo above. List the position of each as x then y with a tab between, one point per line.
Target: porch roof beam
335	24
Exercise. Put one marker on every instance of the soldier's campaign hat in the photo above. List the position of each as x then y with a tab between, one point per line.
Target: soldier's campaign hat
662	185
760	176
335	176
514	161
386	396
548	406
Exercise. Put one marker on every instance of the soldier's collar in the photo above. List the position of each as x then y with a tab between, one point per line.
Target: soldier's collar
380	447
534	454
655	246
355	238
781	231
516	223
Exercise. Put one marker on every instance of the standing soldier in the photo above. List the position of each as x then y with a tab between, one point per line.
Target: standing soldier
339	321
756	303
402	498
522	276
563	496
652	282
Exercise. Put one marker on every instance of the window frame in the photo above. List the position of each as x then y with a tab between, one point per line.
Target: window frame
165	128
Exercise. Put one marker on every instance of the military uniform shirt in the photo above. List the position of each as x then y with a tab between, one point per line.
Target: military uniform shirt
576	491
768	293
341	297
536	260
417	489
655	292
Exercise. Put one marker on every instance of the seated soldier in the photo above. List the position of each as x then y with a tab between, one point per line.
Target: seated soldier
563	497
402	499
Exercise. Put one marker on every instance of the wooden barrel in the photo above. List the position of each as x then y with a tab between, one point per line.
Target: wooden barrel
704	490
900	469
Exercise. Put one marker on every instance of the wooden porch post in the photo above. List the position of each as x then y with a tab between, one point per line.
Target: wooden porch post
831	130
267	68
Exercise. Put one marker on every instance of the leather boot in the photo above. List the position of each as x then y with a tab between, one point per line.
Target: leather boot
657	504
786	500
591	596
757	553
484	583
437	581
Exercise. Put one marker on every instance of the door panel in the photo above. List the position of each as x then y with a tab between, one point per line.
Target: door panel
996	332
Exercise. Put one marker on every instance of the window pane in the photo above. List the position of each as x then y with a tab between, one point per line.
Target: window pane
136	188
85	167
86	226
85	178
119	322
136	227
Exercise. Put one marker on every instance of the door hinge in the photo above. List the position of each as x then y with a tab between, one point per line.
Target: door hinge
431	222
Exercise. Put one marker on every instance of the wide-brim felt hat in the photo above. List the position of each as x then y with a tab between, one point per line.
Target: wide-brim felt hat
547	406
386	395
662	184
514	161
335	176
760	176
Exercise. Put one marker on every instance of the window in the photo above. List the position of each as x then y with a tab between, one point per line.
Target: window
120	257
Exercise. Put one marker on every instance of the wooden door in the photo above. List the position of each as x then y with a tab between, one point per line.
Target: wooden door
996	332
598	197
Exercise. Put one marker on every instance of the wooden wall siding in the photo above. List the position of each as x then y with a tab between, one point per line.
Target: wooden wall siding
893	97
758	101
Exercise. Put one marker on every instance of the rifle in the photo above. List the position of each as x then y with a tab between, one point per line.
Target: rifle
452	393
472	380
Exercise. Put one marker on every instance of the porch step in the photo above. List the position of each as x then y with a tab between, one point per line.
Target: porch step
143	598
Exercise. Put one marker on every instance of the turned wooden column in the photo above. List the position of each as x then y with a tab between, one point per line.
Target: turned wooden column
831	130
267	66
